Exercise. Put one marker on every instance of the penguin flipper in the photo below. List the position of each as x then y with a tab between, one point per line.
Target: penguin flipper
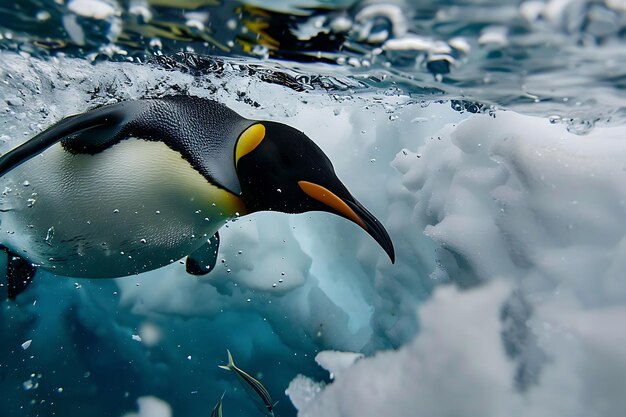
109	119
19	273
203	260
203	131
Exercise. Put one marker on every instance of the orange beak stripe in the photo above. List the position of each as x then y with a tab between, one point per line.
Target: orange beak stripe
324	196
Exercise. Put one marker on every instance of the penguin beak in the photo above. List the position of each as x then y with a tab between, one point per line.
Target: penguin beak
354	211
373	227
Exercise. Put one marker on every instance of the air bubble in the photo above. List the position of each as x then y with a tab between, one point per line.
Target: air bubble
42	16
49	236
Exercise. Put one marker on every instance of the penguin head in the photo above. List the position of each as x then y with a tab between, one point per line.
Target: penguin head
281	169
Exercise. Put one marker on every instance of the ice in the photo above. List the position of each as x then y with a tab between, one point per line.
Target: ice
507	297
150	334
336	362
151	407
529	216
303	390
456	366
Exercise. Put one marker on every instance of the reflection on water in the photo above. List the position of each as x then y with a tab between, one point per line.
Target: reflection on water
540	57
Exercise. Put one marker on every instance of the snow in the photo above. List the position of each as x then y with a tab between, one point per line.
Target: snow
507	298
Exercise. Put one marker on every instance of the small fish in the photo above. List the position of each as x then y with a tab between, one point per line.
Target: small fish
253	387
217	410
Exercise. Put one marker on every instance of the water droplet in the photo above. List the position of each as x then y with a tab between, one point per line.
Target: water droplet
31	202
248	300
580	127
116	211
42	15
26	183
49	236
143	241
156	43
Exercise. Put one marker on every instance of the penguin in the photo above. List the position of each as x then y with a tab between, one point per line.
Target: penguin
133	186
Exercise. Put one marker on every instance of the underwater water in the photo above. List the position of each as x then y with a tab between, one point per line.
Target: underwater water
488	138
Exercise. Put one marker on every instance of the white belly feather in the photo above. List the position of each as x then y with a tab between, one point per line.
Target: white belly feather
132	208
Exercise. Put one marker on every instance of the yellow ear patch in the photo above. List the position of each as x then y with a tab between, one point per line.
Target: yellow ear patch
249	140
325	196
